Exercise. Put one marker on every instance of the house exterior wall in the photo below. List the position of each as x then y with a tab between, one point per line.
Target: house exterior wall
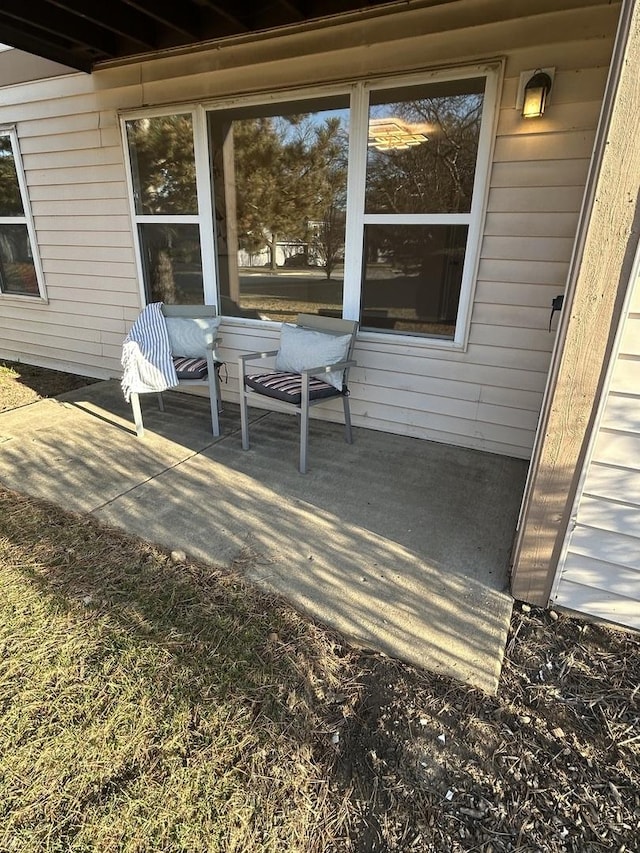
598	282
487	396
16	66
599	573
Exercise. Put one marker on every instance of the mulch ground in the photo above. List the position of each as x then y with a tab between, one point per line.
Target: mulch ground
421	763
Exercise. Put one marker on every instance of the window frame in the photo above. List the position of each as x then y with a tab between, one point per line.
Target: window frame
203	218
358	90
492	72
26	219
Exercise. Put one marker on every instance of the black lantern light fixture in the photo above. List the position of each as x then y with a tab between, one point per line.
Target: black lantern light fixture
536	92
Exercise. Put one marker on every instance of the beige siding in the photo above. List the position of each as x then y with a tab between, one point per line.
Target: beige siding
488	396
16	66
600	571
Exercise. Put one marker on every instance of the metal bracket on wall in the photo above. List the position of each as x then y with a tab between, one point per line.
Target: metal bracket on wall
556	305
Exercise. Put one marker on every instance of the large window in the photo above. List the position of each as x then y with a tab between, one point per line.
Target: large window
364	204
20	273
280	192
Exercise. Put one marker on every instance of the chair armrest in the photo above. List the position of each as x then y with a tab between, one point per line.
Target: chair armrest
211	350
257	356
329	368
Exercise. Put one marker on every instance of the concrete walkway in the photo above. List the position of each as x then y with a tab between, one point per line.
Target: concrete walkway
400	544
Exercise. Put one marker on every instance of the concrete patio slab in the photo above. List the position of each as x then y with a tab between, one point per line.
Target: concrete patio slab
400	544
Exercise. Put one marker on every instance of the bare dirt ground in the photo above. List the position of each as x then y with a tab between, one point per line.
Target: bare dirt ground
420	763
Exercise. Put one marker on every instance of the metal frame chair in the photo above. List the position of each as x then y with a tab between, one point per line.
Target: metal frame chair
212	379
330	326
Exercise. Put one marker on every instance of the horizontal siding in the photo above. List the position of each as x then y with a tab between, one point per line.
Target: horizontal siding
614	483
606	547
616	447
600	603
539	173
525	248
626	375
552	225
600	573
486	397
74	192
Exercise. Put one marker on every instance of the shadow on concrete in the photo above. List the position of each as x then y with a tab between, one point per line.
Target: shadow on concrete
399	543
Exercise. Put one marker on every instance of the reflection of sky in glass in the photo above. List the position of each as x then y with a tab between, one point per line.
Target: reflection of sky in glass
315	119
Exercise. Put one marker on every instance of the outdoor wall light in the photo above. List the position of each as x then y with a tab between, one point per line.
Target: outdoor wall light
536	92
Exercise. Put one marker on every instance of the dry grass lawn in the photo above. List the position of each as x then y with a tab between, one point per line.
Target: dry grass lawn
158	704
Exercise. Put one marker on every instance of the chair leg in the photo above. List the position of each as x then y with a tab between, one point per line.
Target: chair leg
347	419
137	414
160	401
214	398
244	414
304	423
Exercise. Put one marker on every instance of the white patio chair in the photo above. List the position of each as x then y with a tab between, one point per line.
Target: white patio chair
195	357
310	366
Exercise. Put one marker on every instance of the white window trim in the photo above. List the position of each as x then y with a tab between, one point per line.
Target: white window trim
491	70
203	219
26	219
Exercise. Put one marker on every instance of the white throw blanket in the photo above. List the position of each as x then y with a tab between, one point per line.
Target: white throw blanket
146	354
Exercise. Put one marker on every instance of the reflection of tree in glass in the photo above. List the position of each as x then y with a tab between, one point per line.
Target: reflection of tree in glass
17	272
290	175
172	261
327	241
163	165
10	201
164	183
433	177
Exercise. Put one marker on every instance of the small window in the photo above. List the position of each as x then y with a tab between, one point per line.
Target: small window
20	273
420	173
163	176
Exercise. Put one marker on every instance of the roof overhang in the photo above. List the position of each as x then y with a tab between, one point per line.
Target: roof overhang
85	35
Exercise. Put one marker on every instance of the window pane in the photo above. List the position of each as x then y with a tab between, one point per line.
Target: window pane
17	271
172	263
280	185
412	278
10	201
423	143
163	165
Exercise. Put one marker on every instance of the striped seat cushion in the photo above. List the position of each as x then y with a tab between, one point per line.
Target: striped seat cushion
288	386
190	368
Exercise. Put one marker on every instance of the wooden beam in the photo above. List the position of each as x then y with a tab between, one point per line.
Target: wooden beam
39	46
40	17
224	13
293	9
115	17
601	268
180	17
